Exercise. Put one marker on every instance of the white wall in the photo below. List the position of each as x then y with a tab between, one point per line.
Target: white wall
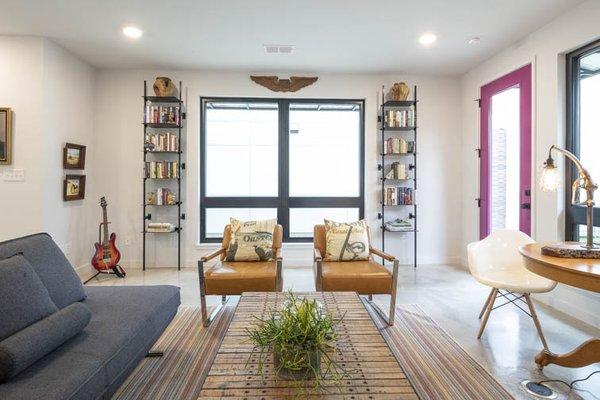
21	83
118	134
545	49
51	93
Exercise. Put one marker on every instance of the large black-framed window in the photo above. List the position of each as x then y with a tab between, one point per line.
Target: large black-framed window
298	160
583	131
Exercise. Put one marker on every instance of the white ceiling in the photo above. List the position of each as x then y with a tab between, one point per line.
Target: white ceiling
376	36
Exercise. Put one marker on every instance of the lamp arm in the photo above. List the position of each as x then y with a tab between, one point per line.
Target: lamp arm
588	183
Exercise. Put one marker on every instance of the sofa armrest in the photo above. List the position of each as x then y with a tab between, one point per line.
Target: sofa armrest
317	255
381	254
212	255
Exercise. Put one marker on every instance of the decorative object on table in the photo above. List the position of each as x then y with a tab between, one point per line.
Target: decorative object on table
346	241
5	136
74	187
293	84
399	92
397	123
163	87
398	225
549	182
73	156
300	339
251	240
107	256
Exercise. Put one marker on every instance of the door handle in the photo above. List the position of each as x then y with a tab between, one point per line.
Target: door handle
526	206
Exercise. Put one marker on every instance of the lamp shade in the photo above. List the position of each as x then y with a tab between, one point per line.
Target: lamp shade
550	180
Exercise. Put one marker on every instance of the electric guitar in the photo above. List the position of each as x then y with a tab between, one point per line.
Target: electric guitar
107	255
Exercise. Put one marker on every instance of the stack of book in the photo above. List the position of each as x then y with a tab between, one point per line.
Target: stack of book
161	169
161	197
397	171
400	118
166	141
398	146
161	227
161	114
396	196
399	225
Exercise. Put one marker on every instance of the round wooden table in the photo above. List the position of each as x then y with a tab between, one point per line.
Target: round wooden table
583	273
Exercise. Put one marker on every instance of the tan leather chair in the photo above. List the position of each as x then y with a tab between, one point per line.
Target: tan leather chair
232	278
364	277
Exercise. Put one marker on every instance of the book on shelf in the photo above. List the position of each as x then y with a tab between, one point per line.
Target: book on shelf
400	118
160	227
164	141
161	114
396	196
398	146
161	169
161	197
397	171
399	225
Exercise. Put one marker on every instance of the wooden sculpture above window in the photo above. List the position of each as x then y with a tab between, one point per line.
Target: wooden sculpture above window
293	84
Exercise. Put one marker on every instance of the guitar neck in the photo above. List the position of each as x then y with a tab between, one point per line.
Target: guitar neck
105	223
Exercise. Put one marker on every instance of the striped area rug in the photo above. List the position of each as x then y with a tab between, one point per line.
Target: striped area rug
437	366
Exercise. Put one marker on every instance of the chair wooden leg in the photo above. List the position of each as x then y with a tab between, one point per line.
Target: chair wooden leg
279	276
488	310
319	277
205	321
485	305
536	321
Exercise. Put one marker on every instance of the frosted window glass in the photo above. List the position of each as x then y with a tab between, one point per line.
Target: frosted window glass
303	220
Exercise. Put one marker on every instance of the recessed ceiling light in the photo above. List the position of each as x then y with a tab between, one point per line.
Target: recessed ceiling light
474	40
132	32
427	39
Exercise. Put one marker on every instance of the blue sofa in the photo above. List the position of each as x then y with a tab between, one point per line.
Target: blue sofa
125	323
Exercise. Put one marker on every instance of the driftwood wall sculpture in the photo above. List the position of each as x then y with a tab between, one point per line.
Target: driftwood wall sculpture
293	84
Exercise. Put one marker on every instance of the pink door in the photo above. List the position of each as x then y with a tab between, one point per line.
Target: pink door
505	153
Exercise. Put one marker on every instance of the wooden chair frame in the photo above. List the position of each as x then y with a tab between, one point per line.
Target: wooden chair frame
208	319
389	319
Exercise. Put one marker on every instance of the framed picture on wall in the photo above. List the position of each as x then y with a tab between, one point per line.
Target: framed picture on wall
74	187
5	136
74	156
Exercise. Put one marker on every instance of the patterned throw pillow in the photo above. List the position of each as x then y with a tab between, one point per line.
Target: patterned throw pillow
346	241
251	240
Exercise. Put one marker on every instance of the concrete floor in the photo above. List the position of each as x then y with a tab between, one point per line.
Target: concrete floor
453	299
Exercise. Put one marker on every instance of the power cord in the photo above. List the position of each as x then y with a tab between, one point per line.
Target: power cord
570	385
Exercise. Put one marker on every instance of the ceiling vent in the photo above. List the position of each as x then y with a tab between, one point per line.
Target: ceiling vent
278	48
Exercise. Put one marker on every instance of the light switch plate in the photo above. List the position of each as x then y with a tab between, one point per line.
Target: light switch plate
14	175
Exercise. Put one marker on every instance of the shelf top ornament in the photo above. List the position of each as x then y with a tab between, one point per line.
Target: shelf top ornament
163	86
293	84
399	92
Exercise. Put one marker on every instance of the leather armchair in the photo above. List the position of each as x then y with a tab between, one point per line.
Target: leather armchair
366	277
232	278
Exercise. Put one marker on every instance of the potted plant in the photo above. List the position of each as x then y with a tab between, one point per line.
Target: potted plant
300	338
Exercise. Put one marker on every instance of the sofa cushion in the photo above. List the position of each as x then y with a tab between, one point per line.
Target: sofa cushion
251	240
27	346
51	265
346	241
24	298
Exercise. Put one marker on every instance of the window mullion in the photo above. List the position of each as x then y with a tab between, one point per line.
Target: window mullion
283	215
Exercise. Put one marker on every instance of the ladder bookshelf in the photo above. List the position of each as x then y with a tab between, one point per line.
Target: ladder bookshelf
163	149
397	124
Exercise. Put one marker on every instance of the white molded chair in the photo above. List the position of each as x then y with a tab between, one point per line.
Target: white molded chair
496	262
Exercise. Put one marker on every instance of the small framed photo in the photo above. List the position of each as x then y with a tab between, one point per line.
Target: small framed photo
5	136
74	187
74	156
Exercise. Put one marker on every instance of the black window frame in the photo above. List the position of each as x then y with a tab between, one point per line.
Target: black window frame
283	202
575	215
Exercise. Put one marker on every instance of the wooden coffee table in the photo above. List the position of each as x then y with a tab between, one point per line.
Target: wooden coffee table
374	371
